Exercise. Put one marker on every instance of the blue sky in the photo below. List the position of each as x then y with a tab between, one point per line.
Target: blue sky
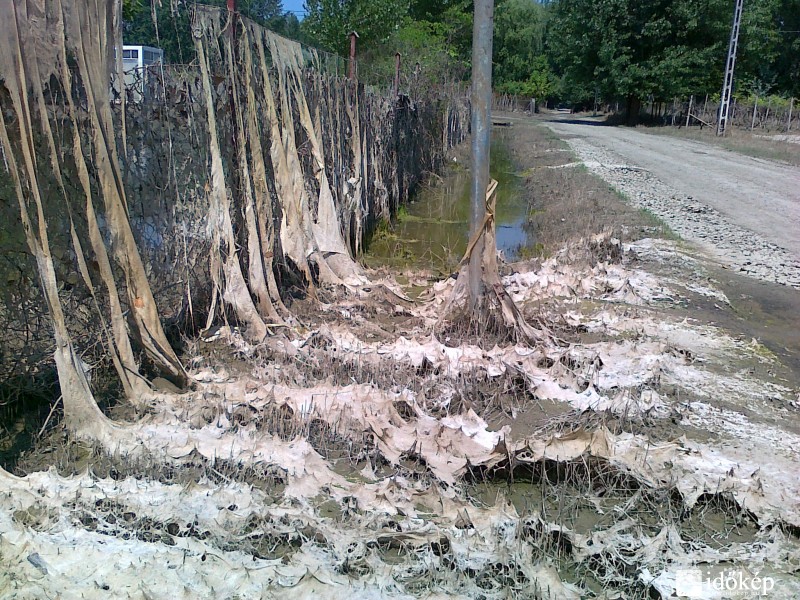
295	6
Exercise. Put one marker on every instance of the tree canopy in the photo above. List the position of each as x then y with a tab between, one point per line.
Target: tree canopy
166	25
636	49
565	50
671	48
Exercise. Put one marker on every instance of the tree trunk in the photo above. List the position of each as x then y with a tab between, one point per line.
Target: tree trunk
633	105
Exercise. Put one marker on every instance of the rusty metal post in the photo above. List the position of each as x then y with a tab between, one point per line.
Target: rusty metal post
351	66
396	74
231	14
481	136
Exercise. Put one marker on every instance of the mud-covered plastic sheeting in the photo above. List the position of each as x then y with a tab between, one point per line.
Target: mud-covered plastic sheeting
306	163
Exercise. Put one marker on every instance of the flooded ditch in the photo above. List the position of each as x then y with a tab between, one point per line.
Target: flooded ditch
433	229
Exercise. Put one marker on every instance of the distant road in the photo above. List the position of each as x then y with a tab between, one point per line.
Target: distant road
758	195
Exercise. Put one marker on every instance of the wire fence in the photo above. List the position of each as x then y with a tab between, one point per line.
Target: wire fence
771	114
767	115
165	171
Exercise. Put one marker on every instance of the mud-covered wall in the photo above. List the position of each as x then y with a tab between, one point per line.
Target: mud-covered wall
249	172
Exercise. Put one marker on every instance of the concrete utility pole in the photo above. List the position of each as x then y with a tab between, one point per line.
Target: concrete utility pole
481	136
727	84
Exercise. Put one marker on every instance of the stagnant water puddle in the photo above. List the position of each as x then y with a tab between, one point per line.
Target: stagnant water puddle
433	229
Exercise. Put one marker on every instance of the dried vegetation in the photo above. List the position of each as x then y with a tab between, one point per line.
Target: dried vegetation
408	466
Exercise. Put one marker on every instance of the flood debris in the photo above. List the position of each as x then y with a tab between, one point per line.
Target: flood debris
374	491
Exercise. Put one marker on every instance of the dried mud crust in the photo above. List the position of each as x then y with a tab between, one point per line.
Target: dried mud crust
335	461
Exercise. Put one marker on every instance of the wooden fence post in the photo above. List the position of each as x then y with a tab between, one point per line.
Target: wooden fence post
755	108
396	74
689	112
789	122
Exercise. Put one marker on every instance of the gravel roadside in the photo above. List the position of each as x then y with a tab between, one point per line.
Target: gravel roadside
690	216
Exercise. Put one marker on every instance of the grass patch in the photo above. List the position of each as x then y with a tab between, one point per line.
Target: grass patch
664	230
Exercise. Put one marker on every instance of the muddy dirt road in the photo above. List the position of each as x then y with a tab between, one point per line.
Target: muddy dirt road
744	211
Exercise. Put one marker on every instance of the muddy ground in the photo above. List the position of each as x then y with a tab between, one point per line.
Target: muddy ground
366	453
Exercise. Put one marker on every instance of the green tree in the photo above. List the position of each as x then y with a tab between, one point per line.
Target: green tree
329	21
519	27
453	20
267	12
153	23
769	48
634	49
540	84
424	48
169	30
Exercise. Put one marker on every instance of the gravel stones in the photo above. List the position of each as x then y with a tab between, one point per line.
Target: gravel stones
733	245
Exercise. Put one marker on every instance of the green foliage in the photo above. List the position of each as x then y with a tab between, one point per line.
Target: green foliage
669	48
453	21
425	53
541	82
436	35
636	49
154	23
130	8
173	32
567	49
426	43
769	48
519	27
267	12
329	21
747	97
